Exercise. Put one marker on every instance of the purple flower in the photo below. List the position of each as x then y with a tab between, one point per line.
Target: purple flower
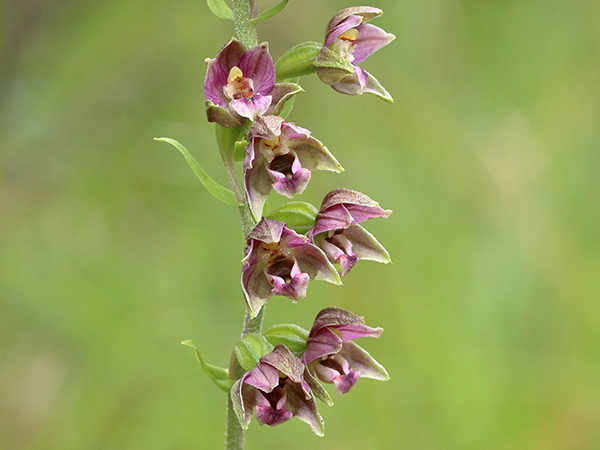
338	234
281	156
331	355
279	261
277	390
240	85
349	40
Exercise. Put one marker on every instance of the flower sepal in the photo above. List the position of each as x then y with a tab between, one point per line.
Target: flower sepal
299	216
331	67
218	375
292	336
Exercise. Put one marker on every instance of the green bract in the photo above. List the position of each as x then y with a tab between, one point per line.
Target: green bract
292	336
299	216
250	349
298	60
218	375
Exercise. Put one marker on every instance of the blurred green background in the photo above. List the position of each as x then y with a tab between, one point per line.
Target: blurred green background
111	252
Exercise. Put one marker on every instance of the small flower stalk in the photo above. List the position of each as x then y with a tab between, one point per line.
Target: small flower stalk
278	374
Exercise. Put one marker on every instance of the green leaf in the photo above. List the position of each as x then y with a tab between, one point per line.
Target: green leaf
218	375
299	216
250	349
270	12
220	9
217	191
293	336
298	60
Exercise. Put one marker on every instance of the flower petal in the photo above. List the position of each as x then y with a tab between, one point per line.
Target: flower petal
264	377
257	64
251	107
259	184
313	261
243	399
370	39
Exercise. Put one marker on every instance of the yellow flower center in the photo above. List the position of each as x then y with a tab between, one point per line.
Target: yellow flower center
237	85
344	44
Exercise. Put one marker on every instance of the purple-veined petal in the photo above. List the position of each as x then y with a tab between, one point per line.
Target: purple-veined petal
218	71
324	342
264	377
266	414
295	288
365	12
251	107
256	287
294	184
258	64
344	25
336	217
370	39
267	231
287	363
259	184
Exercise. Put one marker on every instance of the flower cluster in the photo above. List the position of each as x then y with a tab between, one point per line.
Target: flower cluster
283	385
278	374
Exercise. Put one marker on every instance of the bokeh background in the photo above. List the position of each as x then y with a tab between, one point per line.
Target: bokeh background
111	252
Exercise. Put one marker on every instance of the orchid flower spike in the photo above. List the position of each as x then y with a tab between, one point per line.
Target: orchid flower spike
240	85
333	358
279	261
349	40
338	234
277	390
281	156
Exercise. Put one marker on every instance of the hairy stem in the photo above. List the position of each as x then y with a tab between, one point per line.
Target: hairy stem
245	29
245	32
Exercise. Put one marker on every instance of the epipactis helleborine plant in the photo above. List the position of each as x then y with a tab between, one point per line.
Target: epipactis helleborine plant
276	374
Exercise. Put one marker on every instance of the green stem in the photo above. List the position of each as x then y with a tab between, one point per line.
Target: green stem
245	29
245	32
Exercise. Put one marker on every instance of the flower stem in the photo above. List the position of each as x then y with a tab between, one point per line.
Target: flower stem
245	29
245	32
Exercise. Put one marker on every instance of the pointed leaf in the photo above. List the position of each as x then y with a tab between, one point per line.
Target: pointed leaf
218	375
292	336
220	9
217	191
250	349
299	216
270	12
